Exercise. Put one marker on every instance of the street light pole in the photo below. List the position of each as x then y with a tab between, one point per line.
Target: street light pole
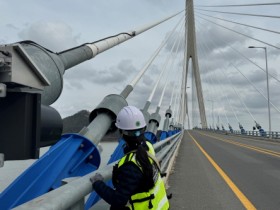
212	114
267	88
187	108
268	97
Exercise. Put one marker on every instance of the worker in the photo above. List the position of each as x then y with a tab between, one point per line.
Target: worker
136	178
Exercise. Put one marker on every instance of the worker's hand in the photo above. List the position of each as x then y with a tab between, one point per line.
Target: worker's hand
96	177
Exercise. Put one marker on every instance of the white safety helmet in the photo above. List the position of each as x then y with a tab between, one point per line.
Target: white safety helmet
130	118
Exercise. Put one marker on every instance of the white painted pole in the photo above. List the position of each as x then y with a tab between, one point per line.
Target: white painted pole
267	88
101	46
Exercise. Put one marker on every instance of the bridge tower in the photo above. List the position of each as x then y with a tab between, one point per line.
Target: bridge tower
191	53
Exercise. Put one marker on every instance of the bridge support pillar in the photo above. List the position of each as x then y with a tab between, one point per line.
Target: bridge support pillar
192	54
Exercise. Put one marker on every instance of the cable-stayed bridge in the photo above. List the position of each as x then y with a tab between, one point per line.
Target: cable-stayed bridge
212	83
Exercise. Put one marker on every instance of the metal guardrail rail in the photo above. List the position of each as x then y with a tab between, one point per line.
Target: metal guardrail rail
273	135
266	135
71	196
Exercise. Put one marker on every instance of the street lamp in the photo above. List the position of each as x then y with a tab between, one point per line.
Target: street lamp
212	114
267	85
187	108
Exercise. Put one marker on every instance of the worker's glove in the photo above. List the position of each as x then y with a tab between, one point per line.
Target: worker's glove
96	177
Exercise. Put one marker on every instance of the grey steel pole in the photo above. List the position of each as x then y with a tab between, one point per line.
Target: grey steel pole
213	124
267	88
187	108
268	98
213	114
97	129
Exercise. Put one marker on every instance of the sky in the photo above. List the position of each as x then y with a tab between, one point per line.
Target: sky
63	24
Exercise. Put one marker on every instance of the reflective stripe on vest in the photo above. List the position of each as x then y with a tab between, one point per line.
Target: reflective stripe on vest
155	198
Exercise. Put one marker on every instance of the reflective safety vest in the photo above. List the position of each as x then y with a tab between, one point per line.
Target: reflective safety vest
155	198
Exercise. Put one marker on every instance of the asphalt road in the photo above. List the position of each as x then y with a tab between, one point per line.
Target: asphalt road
215	171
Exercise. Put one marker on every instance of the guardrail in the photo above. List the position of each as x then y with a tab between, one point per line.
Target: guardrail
72	195
274	135
269	135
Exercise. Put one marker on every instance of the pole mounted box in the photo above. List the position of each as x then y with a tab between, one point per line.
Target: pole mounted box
18	70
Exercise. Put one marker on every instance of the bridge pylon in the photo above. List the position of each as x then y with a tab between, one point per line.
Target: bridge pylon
191	53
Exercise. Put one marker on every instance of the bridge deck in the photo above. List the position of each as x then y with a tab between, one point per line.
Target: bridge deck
195	183
214	171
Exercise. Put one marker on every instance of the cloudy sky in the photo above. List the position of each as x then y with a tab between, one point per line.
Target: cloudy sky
62	24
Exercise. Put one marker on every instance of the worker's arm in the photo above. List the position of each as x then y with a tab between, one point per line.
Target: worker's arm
129	179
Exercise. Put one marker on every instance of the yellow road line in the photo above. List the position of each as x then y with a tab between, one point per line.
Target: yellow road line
258	149
243	199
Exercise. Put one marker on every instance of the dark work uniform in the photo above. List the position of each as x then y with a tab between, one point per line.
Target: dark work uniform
129	181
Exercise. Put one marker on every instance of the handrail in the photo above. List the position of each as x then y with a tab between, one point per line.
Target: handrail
257	134
160	144
70	194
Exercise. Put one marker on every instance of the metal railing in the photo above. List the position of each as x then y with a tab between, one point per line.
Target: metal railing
72	195
265	134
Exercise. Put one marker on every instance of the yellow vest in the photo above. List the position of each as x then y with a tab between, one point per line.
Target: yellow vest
155	198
